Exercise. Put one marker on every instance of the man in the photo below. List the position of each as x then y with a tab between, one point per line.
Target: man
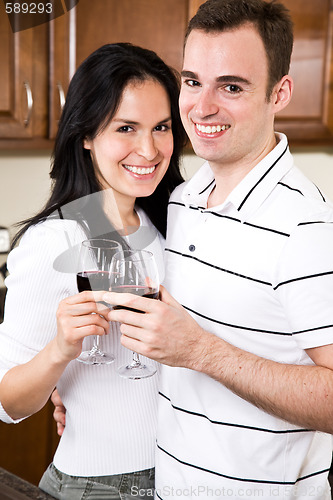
249	258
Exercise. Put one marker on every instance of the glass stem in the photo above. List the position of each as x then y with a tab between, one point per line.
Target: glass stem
136	360
96	343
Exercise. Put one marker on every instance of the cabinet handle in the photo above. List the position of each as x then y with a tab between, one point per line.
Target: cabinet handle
62	98
30	103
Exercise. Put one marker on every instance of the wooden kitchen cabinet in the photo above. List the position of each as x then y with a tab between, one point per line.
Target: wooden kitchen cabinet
23	83
27	448
159	26
308	119
48	55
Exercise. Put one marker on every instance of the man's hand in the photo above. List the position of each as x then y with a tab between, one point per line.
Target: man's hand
166	332
59	413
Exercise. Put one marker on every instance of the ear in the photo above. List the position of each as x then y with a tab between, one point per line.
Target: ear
282	93
86	143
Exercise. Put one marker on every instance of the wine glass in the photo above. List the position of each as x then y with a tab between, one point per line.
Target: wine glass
94	274
135	271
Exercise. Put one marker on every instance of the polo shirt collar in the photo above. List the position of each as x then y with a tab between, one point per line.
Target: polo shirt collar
251	192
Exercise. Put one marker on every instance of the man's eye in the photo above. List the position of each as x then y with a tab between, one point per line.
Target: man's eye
192	83
233	89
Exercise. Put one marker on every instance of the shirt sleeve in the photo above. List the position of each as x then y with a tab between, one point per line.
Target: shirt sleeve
304	282
35	286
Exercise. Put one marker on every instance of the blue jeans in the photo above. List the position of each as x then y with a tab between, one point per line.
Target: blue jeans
136	485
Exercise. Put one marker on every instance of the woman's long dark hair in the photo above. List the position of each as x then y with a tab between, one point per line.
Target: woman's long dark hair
93	97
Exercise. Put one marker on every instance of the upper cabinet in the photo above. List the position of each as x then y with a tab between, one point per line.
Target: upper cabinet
23	83
156	25
38	63
308	119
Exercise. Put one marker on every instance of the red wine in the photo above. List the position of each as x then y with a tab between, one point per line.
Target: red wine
93	280
142	291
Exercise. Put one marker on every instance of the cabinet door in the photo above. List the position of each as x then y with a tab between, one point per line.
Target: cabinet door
16	98
156	25
308	119
62	45
27	448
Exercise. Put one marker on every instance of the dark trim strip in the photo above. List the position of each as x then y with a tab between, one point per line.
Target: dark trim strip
217	267
313	329
302	278
210	184
266	229
222	216
191	207
228	217
321	194
228	424
291	188
315	222
257	481
263	176
257	330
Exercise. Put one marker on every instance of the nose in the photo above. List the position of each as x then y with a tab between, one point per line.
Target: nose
206	104
146	147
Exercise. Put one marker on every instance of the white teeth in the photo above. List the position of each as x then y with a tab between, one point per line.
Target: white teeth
211	129
140	170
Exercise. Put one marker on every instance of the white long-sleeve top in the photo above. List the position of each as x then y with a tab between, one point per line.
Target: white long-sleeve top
110	421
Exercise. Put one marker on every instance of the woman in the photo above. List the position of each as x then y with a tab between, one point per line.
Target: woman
115	164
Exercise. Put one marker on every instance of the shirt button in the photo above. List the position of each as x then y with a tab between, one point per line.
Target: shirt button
191	248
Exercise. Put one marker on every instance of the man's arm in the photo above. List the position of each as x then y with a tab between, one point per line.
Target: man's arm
302	395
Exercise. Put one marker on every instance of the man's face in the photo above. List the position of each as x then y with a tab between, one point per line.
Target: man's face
223	101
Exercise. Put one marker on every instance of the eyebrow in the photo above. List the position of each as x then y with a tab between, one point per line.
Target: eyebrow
219	79
132	122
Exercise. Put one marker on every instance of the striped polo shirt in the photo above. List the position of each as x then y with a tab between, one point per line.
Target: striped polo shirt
256	271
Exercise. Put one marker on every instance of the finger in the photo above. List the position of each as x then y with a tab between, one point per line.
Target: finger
87	331
82	309
168	299
60	429
59	415
87	320
131	301
55	398
129	317
131	340
86	296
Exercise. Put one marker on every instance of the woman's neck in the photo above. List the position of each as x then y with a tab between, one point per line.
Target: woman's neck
121	213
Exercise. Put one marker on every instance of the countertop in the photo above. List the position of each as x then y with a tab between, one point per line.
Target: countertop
15	488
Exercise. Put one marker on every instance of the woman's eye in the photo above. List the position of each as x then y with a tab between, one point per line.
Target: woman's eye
125	128
162	128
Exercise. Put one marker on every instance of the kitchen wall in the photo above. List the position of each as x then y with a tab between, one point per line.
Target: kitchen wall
25	180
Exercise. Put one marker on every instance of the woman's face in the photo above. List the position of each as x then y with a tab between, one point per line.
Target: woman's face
132	154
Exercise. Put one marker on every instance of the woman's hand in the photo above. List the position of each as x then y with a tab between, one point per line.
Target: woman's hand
79	316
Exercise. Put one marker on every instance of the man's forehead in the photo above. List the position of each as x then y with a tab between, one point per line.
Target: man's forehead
225	55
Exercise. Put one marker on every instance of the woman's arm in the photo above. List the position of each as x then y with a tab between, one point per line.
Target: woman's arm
38	339
25	388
